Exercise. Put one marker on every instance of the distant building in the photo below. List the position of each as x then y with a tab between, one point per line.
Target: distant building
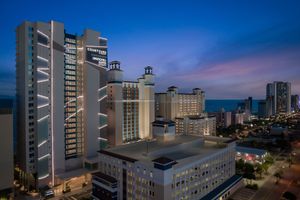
186	167
130	106
6	144
223	118
238	118
262	109
278	96
173	104
227	119
246	105
196	125
295	103
251	155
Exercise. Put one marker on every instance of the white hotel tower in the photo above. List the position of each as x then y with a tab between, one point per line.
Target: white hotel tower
130	106
61	94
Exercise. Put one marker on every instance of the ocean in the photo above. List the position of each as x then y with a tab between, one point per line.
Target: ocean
215	105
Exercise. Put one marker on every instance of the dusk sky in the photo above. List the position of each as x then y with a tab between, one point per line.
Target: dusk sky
230	49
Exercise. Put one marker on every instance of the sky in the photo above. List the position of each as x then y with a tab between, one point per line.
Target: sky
230	49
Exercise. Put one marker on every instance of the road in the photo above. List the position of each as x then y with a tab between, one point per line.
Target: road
270	191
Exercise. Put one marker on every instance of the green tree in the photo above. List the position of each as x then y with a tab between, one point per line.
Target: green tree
278	175
259	169
240	164
265	167
249	172
269	159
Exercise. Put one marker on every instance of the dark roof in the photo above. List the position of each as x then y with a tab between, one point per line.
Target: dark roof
130	81
221	189
105	177
172	86
229	141
5	111
195	117
160	122
249	150
163	160
117	156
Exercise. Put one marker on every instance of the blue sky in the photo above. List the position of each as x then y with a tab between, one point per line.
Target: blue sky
231	49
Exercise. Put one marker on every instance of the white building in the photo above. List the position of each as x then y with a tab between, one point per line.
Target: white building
196	125
187	167
173	104
130	106
60	103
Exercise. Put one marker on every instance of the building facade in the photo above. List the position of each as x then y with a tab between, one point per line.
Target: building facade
6	144
278	96
262	109
60	100
196	125
173	104
295	103
130	106
187	167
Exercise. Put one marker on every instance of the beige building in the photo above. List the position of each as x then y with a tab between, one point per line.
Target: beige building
130	106
187	167
173	104
196	125
61	108
6	154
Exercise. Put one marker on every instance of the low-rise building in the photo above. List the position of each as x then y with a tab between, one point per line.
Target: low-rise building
196	125
188	167
252	155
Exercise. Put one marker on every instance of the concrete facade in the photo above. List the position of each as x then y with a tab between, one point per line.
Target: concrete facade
130	106
173	104
196	125
187	167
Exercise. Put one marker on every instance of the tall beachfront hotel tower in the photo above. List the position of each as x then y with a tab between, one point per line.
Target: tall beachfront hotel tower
130	106
61	94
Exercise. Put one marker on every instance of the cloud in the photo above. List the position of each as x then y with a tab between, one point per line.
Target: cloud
241	66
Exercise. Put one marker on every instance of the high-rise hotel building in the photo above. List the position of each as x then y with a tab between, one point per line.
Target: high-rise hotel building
130	106
173	104
61	108
278	97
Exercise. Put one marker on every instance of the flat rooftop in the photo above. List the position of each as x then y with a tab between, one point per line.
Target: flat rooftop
182	149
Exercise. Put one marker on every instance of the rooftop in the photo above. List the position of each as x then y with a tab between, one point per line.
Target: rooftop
183	149
105	177
250	150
